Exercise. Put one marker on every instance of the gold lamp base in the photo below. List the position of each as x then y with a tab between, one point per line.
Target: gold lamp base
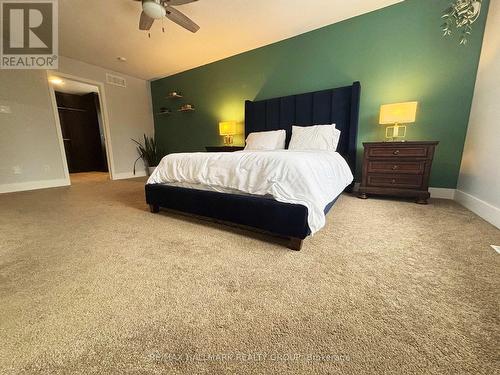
228	139
395	133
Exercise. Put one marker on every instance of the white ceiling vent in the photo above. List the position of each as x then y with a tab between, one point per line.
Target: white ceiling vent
116	80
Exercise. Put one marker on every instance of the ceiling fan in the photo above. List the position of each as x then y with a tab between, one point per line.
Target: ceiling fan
157	9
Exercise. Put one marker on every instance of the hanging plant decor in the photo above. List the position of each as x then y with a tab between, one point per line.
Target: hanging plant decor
461	15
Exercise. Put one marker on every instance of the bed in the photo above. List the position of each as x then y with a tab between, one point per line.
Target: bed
339	106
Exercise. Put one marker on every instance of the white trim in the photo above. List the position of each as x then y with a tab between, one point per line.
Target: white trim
55	113
487	211
104	113
33	185
442	193
127	175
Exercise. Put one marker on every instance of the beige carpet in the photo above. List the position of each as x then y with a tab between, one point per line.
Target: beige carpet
92	283
82	177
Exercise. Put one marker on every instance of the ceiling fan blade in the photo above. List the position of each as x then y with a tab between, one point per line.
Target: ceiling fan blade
178	2
181	19
145	22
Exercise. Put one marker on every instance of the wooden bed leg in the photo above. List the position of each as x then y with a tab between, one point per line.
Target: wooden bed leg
154	208
295	244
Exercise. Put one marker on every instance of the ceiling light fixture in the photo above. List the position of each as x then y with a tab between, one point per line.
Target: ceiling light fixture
121	59
154	9
56	81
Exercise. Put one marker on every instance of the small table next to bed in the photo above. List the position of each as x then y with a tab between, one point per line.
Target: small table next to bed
224	148
399	169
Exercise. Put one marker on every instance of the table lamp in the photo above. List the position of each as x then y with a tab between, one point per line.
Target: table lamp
397	114
227	129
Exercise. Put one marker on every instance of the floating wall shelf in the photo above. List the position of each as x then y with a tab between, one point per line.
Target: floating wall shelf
164	111
174	95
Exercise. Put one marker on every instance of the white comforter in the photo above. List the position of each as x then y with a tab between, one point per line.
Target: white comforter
310	178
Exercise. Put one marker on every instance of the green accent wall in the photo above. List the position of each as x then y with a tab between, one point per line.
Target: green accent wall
397	53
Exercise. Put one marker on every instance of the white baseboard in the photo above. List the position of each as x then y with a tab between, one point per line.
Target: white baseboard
127	175
441	193
33	185
45	184
487	211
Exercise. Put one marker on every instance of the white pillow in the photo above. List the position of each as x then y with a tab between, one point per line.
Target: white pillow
336	138
318	137
271	140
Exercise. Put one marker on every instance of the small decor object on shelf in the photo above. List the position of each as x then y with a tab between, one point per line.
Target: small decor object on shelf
149	152
174	95
461	15
395	115
227	129
186	108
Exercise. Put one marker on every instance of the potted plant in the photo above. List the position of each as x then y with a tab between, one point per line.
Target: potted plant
149	153
461	15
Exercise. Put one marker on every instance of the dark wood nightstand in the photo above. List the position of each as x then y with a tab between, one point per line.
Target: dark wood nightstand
224	148
398	169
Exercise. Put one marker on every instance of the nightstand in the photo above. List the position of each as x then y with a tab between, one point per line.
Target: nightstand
399	169
224	148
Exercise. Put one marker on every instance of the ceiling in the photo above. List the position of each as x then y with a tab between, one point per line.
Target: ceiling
99	31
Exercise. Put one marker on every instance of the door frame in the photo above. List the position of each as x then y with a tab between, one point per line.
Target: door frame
104	115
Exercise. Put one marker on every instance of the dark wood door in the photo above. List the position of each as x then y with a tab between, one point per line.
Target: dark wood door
82	133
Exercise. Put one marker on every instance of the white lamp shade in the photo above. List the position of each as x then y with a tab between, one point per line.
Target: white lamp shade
398	113
227	128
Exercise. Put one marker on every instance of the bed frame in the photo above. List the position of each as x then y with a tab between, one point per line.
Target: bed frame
339	106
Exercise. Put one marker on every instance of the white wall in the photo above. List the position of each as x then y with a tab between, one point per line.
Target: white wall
30	154
129	111
29	148
479	181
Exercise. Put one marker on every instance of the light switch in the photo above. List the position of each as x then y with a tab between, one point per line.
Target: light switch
17	169
5	109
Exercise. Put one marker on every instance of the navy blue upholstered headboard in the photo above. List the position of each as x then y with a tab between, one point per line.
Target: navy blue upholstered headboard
338	106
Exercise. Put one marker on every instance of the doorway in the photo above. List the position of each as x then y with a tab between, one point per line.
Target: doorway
82	128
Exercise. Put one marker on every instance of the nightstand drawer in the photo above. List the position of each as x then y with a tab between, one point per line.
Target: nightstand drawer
410	167
400	152
395	180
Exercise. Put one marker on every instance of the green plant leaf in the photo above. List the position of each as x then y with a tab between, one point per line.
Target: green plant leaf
148	152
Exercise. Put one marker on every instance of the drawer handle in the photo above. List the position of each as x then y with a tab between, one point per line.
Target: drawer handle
393	181
394	167
396	152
